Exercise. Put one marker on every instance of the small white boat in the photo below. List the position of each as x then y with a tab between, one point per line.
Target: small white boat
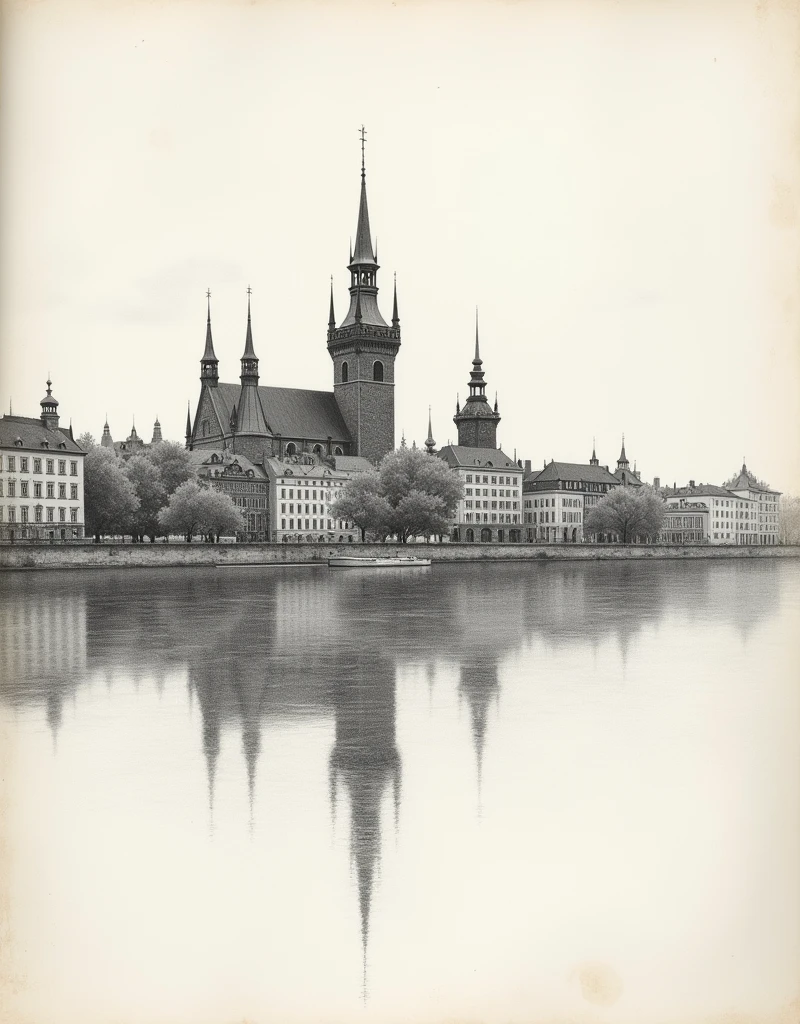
363	562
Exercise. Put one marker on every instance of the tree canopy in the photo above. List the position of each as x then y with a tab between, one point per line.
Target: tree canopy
109	496
173	463
411	494
86	441
146	481
629	512
193	509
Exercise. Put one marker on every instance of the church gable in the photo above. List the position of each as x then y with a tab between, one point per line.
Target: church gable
207	423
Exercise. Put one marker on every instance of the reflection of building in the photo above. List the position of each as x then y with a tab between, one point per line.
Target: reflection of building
355	418
245	484
490	509
41	477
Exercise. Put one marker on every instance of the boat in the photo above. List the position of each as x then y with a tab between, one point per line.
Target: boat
364	562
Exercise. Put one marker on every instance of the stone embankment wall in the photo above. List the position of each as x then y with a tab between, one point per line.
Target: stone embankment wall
82	556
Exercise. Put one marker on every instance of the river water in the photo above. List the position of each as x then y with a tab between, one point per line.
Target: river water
502	793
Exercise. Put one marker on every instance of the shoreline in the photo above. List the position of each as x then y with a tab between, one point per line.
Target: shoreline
150	556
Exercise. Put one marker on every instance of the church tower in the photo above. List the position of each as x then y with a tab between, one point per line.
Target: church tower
248	423
476	421
363	348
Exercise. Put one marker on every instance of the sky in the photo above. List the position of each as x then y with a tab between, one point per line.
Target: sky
614	184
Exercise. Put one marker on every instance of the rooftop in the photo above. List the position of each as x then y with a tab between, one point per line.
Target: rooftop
31	434
459	456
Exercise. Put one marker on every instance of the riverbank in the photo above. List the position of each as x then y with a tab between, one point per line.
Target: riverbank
116	556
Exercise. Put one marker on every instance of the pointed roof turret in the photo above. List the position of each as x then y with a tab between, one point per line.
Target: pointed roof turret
395	317
188	424
249	351
332	314
622	461
209	373
364	252
476	420
430	444
594	461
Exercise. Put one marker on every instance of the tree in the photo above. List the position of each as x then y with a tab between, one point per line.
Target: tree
360	501
173	462
629	512
789	520
195	509
150	491
86	441
109	496
409	471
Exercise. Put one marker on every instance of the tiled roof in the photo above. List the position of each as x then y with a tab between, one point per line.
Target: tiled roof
351	463
201	459
699	489
555	471
470	458
32	432
290	412
746	481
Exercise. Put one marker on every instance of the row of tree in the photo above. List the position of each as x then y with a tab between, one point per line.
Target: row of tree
152	494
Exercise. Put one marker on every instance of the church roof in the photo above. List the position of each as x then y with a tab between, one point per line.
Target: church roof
290	412
457	455
370	314
32	433
351	463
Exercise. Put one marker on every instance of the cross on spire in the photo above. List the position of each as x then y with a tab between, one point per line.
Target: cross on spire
363	133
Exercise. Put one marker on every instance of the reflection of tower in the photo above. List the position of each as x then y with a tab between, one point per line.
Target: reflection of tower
251	695
366	761
479	686
207	697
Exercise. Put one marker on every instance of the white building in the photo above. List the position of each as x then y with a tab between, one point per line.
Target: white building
491	508
558	498
302	489
765	501
41	477
732	518
685	522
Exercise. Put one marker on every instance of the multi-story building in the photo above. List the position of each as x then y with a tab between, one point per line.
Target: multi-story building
41	477
302	489
559	496
491	508
246	484
356	418
732	518
746	485
685	522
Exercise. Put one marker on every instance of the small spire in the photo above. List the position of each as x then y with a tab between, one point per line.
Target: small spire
477	360
430	444
234	417
188	421
332	315
249	351
403	439
395	317
458	406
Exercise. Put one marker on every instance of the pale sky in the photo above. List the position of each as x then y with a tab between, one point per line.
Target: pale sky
615	185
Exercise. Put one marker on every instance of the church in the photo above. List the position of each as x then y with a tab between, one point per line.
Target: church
356	418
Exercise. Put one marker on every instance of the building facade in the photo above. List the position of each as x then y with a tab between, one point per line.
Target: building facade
766	502
303	488
742	516
558	498
356	418
685	522
41	477
491	508
247	486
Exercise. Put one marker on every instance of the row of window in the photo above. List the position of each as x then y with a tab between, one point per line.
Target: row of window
494	504
24	462
38	512
690	522
377	371
552	517
496	517
50	490
504	481
310	492
311	524
250	502
504	493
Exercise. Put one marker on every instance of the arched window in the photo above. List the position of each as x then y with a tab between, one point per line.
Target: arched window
317	449
486	535
377	370
470	536
345	372
291	448
337	450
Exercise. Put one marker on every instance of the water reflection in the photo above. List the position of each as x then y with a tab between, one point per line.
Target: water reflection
287	645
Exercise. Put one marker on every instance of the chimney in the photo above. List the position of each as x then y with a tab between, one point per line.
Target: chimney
691	484
657	483
527	467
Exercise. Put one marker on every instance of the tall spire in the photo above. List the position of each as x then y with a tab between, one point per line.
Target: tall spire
395	317
364	252
594	460
249	374
332	314
622	461
209	373
430	444
477	360
476	420
188	425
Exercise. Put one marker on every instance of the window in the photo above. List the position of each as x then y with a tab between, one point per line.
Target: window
37	465
12	464
49	515
23	465
291	448
12	514
73	468
51	491
62	515
377	370
345	372
37	490
469	478
24	511
62	490
37	513
23	488
62	467
12	488
73	492
50	466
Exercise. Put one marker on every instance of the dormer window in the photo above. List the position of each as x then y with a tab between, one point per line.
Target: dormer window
18	442
45	444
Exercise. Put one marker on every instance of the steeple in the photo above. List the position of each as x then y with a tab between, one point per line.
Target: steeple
249	374
157	438
395	317
49	406
594	461
106	441
188	426
209	364
332	314
477	421
622	461
430	444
